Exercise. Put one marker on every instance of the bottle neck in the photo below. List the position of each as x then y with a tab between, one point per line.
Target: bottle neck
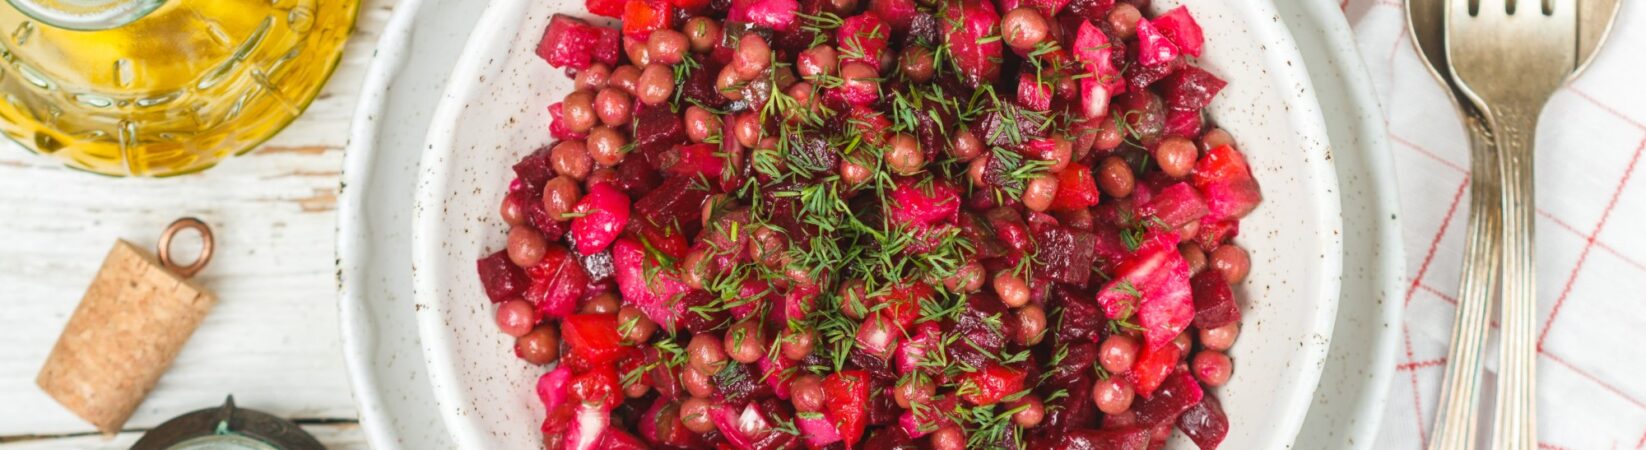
86	15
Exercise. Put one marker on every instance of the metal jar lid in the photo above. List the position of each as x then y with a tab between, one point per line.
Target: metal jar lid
227	428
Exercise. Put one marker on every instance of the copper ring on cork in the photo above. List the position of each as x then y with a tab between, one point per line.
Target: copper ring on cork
205	246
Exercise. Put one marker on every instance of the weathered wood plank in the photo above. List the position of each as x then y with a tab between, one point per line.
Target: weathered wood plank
272	340
342	436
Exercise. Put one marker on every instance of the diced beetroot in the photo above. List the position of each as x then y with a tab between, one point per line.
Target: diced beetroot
775	14
661	425
594	336
589	427
1126	438
641	17
737	384
533	171
636	177
1177	394
607	48
603	213
848	405
616	439
710	320
868	122
646	285
551	387
897	13
878	336
990	384
1144	113
798	302
1214	301
1153	364
920	422
889	438
694	161
750	426
572	43
1153	48
557	125
676	206
979	324
755	291
1091	10
538	217
1065	254
657	129
1077	409
1190	88
662	238
863	38
608	8
1205	423
1093	48
1139	76
1158	436
738	10
878	368
699	88
1075	188
1153	288
557	282
818	431
502	279
1214	233
777	371
1222	174
921	203
557	425
902	305
911	352
597	387
1183	124
1175	206
690	5
1179	27
1094	98
978	61
1082	319
1009	228
663	377
1033	94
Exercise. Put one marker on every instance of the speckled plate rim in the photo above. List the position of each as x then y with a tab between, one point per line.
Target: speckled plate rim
385	367
1349	403
484	42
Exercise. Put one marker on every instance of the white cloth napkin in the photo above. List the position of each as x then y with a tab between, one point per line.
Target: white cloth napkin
1591	236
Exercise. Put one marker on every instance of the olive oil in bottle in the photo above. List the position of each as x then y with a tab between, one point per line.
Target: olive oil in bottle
161	87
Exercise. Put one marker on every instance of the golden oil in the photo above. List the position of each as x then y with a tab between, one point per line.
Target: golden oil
171	92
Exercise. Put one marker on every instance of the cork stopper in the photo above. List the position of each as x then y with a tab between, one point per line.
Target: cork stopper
129	327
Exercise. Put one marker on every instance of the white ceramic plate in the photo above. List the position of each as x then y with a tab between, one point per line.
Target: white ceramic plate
380	341
380	167
1348	405
494	111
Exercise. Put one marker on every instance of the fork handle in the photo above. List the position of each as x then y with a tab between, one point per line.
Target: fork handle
1515	424
1456	427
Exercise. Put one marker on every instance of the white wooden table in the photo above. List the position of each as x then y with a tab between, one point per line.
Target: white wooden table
271	341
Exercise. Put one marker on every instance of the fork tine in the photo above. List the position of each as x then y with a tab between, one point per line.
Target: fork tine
1457	11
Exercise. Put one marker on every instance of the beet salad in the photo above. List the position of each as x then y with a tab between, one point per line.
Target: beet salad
876	224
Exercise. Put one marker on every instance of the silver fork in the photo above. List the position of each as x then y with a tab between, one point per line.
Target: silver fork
1510	56
1455	425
